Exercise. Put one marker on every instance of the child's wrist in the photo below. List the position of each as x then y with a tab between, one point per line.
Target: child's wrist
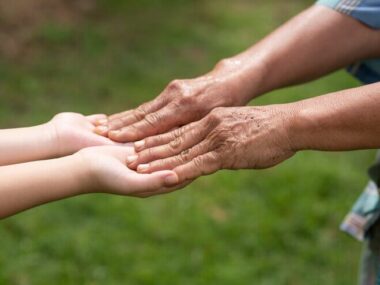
50	133
83	173
79	173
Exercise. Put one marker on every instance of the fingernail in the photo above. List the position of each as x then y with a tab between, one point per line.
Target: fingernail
171	180
131	158
142	167
101	129
139	144
114	132
102	122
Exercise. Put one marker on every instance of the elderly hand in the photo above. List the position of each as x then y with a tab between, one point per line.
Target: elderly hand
182	102
227	138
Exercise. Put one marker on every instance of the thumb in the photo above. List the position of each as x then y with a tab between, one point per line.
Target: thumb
154	181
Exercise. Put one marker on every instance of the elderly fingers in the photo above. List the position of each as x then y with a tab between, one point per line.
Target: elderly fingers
204	164
174	161
152	124
174	143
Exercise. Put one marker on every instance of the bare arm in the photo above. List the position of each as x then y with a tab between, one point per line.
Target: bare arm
264	136
65	134
96	169
345	120
30	184
314	43
25	144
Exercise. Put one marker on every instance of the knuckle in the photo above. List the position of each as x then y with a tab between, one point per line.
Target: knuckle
185	155
177	133
178	160
158	164
199	163
152	119
151	154
214	117
139	112
224	63
176	143
143	109
218	139
175	85
154	140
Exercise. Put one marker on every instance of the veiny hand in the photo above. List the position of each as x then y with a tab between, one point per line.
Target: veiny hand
71	132
182	102
106	171
227	138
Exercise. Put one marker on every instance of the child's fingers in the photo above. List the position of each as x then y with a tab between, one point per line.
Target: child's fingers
163	190
101	130
97	119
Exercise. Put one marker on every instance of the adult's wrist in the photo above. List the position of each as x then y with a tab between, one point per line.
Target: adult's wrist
245	74
304	126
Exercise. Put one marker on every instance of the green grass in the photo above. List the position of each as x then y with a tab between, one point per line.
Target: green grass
277	226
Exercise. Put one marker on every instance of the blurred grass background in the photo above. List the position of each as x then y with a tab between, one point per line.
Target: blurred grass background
278	226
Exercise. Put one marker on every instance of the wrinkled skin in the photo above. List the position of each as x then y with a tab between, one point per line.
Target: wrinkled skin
227	138
182	102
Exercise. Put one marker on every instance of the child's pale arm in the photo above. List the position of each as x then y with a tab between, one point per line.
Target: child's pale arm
65	134
96	169
30	184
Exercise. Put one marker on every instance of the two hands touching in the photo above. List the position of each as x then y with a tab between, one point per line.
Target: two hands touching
190	129
157	148
198	126
101	159
65	157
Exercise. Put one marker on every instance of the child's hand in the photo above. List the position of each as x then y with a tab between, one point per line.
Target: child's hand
104	169
71	132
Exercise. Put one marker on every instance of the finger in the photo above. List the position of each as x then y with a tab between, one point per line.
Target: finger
172	135
182	139
101	130
152	124
154	181
174	161
164	190
98	140
97	119
201	165
120	114
129	117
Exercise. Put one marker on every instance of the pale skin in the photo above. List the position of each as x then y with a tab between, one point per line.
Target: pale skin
90	164
220	134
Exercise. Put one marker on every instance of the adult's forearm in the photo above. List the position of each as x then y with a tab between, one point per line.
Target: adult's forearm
345	120
312	44
27	185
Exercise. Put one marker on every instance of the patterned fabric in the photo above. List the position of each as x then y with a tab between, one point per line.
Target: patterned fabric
363	221
370	261
367	12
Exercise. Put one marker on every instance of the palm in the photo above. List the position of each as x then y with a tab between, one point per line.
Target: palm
108	165
74	131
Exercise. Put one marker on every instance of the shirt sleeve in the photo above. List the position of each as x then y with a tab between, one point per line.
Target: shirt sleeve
365	11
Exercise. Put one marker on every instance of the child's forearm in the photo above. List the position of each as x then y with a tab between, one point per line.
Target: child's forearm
27	185
26	144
